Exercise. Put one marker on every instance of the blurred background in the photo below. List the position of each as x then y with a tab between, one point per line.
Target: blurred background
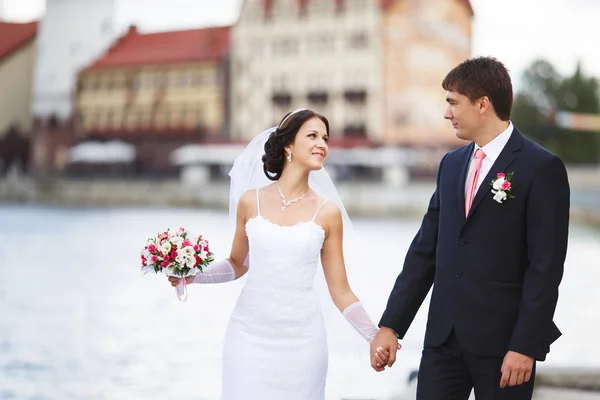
120	118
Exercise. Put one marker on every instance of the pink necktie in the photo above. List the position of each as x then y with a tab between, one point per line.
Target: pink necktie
479	156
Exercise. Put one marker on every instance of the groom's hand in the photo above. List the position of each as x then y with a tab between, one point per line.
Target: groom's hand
516	369
386	340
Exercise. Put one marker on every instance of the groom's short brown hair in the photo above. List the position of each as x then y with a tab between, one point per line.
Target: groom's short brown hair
483	76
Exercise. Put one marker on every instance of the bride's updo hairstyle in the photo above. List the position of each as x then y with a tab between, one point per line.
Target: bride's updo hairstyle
284	135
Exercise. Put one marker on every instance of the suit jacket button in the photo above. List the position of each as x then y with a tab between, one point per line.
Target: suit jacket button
458	274
462	242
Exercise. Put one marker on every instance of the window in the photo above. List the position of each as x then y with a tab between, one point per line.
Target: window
358	40
217	77
322	43
198	79
110	118
285	47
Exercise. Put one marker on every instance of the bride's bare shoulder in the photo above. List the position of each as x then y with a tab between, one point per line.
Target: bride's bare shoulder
331	213
249	197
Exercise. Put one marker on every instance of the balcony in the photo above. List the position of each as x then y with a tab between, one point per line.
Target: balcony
282	99
355	95
317	97
355	130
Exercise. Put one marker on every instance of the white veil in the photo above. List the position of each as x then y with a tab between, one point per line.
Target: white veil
247	173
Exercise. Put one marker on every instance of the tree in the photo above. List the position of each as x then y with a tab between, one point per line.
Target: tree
544	93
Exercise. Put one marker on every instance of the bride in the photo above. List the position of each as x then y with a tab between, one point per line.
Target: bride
275	344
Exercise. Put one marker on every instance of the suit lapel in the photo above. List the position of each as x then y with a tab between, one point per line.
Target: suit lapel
462	176
506	157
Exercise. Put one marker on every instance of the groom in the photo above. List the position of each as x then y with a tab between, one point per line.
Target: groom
493	253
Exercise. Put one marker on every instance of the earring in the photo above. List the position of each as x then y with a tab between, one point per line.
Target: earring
289	157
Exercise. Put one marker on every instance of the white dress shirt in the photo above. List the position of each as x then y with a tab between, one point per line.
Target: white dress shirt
492	151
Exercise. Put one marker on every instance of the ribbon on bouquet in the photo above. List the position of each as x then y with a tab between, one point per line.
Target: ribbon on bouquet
181	290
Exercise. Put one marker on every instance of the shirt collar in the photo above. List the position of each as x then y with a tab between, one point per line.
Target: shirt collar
493	149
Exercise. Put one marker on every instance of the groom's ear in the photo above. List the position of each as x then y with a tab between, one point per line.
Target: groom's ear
484	104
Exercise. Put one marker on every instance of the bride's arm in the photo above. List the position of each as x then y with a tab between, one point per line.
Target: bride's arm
236	265
239	247
332	258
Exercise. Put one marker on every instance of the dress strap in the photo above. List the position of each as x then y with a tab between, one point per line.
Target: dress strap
257	203
319	210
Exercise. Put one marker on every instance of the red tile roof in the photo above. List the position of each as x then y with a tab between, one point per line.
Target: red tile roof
134	48
15	36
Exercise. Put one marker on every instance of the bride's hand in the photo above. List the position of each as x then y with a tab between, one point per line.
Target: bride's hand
175	280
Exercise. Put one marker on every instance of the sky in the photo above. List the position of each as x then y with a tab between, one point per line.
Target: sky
514	31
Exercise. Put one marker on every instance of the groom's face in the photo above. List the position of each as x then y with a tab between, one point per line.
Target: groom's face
464	115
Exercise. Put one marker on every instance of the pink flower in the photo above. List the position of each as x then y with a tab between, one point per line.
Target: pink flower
173	254
186	243
152	249
506	185
197	261
143	260
501	175
154	259
196	248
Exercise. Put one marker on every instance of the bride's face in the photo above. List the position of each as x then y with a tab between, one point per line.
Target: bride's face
310	145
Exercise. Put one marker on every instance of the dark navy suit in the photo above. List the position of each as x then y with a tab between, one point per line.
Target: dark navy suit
495	273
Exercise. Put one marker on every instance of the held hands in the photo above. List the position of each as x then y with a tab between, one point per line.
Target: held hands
175	280
516	369
383	349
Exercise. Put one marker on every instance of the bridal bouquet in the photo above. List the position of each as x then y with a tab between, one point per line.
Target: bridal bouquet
176	253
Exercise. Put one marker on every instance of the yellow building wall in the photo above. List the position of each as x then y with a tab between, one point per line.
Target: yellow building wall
160	97
16	89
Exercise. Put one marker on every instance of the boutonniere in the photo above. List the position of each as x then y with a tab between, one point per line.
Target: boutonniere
502	187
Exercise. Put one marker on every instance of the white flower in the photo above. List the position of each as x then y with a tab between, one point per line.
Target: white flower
181	258
146	254
498	183
166	247
203	255
169	271
500	195
188	251
178	240
190	261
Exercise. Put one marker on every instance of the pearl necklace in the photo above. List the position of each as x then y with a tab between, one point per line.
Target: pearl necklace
288	203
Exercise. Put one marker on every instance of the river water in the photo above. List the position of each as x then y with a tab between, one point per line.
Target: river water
79	321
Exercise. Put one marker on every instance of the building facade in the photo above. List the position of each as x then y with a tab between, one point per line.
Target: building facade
422	41
159	82
17	58
373	67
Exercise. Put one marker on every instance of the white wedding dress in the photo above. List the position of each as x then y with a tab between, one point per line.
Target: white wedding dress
275	345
